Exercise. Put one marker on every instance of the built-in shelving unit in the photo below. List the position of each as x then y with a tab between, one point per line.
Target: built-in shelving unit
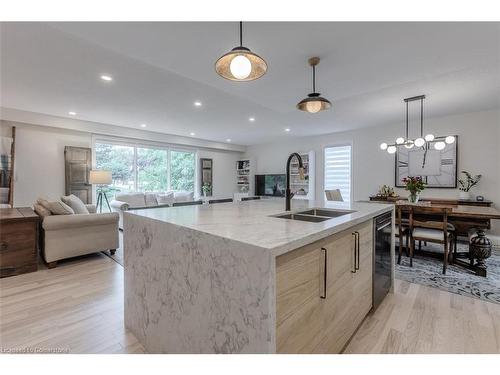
304	189
244	175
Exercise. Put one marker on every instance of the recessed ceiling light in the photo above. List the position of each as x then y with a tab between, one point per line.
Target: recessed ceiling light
228	140
287	129
197	104
71	113
143	125
251	119
192	134
105	77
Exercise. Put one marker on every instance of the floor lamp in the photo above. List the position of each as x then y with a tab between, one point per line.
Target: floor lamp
101	179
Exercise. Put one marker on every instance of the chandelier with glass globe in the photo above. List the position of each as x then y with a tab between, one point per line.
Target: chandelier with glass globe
424	142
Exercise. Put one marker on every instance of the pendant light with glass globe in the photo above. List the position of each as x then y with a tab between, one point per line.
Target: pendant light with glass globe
241	64
422	141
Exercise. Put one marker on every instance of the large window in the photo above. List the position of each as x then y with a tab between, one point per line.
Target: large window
120	161
182	170
338	170
146	168
152	169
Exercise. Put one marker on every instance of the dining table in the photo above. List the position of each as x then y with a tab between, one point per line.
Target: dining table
468	222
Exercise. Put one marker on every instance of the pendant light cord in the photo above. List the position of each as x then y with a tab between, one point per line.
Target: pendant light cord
422	117
314	78
406	120
241	33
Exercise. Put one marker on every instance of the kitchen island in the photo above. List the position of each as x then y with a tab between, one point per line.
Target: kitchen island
235	278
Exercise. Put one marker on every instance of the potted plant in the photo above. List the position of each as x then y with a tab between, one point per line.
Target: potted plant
467	183
414	185
206	188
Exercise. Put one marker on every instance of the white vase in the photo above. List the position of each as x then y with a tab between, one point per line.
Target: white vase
464	195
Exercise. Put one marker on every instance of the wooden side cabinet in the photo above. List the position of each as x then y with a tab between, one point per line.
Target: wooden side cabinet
324	291
18	241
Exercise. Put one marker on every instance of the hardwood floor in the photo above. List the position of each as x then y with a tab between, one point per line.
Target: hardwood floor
420	319
78	308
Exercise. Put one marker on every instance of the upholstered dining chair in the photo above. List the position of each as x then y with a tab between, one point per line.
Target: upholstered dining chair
334	195
435	231
402	232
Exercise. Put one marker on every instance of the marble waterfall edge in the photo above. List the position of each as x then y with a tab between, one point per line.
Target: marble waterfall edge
191	292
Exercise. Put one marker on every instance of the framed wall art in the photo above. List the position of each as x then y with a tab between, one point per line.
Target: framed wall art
206	176
438	168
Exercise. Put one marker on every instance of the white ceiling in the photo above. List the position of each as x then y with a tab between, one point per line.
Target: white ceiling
160	69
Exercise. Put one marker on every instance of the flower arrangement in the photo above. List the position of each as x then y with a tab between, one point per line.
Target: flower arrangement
469	182
207	188
414	185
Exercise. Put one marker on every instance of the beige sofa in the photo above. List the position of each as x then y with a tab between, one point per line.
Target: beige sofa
67	236
133	201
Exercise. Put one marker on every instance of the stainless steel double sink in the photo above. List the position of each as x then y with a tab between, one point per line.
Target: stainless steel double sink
314	215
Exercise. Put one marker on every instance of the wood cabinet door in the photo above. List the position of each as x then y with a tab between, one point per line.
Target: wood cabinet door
78	161
299	308
363	278
338	304
323	293
349	286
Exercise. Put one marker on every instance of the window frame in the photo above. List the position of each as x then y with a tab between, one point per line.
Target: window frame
351	166
135	144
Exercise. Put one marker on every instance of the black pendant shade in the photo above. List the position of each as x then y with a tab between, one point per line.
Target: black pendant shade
314	101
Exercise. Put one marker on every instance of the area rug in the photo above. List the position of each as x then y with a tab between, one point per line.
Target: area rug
428	271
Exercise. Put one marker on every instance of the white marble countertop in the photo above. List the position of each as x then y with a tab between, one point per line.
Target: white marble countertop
251	222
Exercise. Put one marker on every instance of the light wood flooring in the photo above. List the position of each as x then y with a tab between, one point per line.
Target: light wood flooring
420	319
78	307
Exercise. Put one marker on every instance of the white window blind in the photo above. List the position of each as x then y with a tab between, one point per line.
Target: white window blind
338	170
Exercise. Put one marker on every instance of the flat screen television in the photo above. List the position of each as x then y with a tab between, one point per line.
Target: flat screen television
271	185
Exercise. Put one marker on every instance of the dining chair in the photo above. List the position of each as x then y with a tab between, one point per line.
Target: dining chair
334	195
243	199
226	200
192	203
435	231
402	231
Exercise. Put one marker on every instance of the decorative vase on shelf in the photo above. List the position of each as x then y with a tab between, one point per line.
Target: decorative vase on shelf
464	195
413	197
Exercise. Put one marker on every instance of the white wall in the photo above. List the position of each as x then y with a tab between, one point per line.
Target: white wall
478	152
224	172
39	163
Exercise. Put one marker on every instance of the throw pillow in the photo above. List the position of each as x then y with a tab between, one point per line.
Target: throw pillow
56	208
75	203
165	198
40	210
